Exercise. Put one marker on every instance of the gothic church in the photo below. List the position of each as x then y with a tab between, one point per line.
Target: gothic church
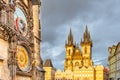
78	64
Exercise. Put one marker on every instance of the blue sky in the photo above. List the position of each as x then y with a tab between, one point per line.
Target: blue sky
57	16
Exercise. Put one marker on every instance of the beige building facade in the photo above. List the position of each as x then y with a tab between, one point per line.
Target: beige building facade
118	61
78	63
20	40
114	62
64	75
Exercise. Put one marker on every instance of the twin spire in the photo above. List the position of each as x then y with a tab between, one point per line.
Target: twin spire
86	37
70	38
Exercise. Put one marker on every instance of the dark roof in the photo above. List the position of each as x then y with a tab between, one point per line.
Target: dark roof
36	2
48	63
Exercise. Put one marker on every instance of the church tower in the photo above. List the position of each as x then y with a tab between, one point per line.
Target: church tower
86	45
68	65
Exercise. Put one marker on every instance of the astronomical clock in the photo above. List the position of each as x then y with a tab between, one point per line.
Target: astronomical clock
24	51
20	21
20	28
23	58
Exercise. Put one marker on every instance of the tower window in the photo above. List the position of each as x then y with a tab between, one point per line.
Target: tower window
76	63
0	15
85	49
69	52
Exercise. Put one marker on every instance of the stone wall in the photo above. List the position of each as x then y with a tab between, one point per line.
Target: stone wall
4	71
23	78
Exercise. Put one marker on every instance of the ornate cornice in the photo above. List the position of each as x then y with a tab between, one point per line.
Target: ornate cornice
6	32
24	73
2	4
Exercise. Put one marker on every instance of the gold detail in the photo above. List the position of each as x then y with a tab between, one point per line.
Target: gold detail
22	57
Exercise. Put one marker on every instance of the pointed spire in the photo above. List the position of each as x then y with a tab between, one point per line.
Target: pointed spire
48	63
70	33
87	37
86	30
70	37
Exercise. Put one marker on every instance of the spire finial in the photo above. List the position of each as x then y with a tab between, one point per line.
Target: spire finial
87	37
70	37
86	30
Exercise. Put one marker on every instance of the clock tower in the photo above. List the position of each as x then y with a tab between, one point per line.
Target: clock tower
20	36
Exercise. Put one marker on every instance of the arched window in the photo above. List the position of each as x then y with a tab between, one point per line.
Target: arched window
85	49
76	63
0	15
69	52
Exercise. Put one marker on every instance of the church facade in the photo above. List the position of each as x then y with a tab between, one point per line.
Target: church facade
20	40
78	64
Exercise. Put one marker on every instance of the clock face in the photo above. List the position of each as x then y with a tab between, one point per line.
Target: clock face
22	58
20	21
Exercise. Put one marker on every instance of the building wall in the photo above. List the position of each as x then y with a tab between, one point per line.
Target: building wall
12	36
49	73
112	67
61	75
23	78
112	62
99	73
6	1
4	71
84	74
118	63
53	73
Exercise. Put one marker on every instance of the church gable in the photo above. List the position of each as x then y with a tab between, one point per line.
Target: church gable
77	54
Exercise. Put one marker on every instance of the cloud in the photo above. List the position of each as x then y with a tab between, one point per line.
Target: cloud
57	16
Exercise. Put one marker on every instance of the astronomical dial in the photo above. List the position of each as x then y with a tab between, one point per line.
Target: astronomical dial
22	58
20	21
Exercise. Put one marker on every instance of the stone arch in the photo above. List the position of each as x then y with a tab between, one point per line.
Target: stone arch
77	63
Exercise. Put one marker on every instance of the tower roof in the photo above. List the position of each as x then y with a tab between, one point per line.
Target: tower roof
86	36
48	63
70	37
36	2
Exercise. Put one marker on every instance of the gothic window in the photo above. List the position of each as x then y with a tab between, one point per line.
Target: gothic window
8	17
0	15
76	63
85	49
69	52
